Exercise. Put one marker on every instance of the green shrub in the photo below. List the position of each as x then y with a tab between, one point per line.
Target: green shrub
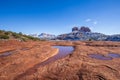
6	33
1	31
4	37
90	39
20	33
24	39
15	35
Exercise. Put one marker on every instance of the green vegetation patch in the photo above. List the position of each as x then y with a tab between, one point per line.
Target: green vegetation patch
14	35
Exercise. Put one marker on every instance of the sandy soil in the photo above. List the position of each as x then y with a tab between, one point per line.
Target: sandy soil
76	66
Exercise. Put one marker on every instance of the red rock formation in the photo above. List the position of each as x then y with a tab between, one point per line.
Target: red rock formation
74	29
84	29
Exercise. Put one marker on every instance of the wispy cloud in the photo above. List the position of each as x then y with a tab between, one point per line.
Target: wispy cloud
88	20
94	22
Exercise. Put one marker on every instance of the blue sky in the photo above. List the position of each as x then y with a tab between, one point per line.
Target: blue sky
59	16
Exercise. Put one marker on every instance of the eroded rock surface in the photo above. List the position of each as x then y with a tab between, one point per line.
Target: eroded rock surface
76	66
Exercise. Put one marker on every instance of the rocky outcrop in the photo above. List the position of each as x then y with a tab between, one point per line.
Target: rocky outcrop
84	33
113	38
75	29
84	29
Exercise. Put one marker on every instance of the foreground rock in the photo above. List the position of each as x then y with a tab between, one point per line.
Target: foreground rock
24	56
76	66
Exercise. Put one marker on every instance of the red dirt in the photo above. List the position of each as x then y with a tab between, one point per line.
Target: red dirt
77	66
21	60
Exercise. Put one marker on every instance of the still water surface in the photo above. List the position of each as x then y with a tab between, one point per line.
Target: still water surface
109	56
63	51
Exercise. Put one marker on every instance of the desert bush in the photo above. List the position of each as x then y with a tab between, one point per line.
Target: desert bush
15	35
20	33
4	37
24	39
6	33
1	31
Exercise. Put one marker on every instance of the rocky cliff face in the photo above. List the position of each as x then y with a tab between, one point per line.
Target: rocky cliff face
113	38
84	33
82	29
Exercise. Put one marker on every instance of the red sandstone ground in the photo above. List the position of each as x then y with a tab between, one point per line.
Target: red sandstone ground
25	55
22	64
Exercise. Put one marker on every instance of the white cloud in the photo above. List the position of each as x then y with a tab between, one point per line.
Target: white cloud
88	20
91	21
95	22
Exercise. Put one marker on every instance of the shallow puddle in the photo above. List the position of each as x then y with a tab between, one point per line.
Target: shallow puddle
63	51
7	53
114	55
99	56
109	56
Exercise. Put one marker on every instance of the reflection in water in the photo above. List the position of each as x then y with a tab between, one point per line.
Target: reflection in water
107	57
114	55
63	51
7	53
99	56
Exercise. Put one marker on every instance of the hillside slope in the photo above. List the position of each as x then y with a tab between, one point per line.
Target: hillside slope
14	35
